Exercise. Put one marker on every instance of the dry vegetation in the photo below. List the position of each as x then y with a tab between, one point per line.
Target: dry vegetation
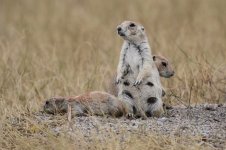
68	47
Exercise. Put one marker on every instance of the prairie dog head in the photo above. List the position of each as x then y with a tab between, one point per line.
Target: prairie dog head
131	31
55	105
164	67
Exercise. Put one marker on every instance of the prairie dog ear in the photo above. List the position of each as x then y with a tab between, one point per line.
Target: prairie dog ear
142	28
154	57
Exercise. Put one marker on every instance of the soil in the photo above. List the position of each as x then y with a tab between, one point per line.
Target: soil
207	121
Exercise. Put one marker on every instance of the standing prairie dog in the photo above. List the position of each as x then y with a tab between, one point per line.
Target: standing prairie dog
135	53
143	91
92	103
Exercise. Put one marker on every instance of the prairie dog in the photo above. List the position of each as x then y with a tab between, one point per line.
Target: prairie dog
143	91
92	103
135	53
163	65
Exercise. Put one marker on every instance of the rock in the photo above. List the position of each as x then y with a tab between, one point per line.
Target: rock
211	107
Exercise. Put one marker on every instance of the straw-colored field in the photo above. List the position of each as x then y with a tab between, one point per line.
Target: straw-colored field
58	47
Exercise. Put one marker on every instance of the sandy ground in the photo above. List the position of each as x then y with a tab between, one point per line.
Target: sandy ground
205	121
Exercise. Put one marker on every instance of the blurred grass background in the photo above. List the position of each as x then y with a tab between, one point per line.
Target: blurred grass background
55	47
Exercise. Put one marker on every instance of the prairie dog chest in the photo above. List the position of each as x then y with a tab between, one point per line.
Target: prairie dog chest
133	58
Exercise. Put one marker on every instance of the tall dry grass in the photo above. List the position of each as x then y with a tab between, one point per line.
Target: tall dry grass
57	47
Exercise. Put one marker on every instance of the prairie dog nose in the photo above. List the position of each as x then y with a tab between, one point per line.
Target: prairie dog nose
119	29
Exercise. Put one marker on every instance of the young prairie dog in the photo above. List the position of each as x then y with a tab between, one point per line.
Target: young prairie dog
143	91
92	103
163	65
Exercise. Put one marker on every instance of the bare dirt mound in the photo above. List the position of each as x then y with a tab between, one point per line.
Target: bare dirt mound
205	121
202	125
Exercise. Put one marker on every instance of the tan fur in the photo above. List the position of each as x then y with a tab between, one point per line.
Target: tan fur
164	66
92	103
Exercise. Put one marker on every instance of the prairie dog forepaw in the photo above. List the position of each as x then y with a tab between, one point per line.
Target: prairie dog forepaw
119	79
138	81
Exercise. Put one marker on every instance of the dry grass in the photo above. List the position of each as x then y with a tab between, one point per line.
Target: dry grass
68	47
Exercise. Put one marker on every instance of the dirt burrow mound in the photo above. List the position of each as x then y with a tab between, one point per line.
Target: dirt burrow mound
207	121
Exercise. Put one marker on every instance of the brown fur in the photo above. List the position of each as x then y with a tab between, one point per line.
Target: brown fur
93	103
164	66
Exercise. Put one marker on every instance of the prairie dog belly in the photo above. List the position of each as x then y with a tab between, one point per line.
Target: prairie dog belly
133	59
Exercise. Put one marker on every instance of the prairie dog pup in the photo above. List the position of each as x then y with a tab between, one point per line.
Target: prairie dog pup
143	91
92	103
56	105
164	67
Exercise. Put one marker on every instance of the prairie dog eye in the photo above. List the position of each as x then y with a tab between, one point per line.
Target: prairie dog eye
132	25
164	64
47	102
